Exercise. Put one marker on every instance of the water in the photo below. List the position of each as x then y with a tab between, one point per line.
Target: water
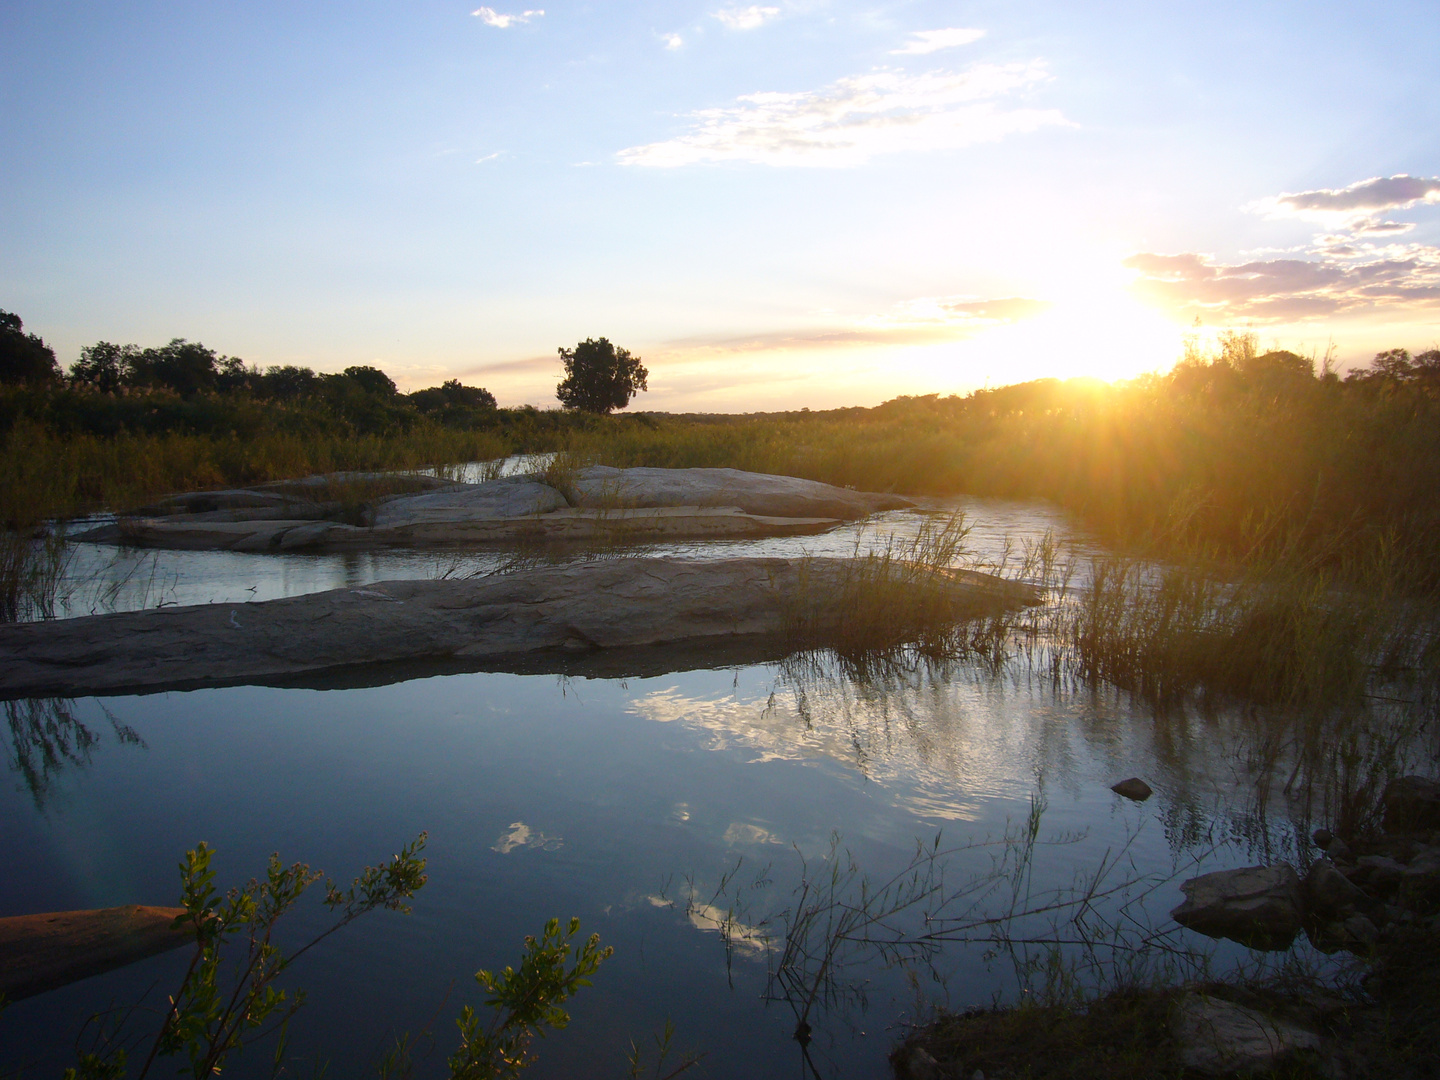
624	802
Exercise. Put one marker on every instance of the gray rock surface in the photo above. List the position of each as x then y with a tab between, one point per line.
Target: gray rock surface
602	604
376	510
755	493
508	497
1259	906
567	525
1220	1038
1328	892
1412	804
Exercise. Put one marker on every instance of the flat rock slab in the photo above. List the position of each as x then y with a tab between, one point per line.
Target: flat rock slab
1259	906
433	529
597	604
509	497
359	511
755	493
42	952
1221	1038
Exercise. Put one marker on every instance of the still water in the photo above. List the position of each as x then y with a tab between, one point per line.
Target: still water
647	806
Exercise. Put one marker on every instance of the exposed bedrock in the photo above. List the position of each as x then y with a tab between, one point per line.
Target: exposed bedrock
755	493
592	605
360	510
41	952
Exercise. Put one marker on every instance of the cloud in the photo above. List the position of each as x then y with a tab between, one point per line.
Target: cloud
1344	278
929	41
1355	205
490	17
746	18
672	41
852	120
489	157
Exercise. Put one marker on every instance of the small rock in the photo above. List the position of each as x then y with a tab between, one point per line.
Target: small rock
1220	1038
920	1064
1339	851
1329	892
1259	906
1382	873
1361	930
1323	838
1134	788
1420	882
1412	804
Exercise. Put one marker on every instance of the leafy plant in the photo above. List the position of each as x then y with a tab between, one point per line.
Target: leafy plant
224	1003
525	1003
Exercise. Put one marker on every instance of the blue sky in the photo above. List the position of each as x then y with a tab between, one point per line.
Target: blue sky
783	204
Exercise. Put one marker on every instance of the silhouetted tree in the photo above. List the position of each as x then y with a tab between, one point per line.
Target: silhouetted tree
599	377
186	367
105	366
372	380
24	357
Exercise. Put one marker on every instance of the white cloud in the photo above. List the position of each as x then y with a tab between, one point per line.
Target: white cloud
1354	206
672	41
489	157
1337	277
490	17
929	41
746	18
852	120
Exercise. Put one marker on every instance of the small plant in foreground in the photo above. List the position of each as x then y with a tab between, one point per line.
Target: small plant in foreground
215	1011
525	1003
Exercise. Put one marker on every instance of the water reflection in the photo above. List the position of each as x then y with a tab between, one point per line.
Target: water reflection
45	738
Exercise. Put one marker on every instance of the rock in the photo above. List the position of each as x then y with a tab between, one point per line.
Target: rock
1412	805
1323	838
42	952
1361	930
603	604
603	528
404	510
1339	851
1220	1038
1134	788
920	1064
1381	873
1259	906
600	486
1329	892
508	497
1420	881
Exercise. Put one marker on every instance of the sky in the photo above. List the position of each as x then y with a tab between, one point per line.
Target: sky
779	205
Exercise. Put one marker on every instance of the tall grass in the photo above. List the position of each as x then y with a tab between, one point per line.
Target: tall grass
45	475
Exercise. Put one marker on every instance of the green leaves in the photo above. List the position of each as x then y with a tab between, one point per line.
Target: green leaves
525	1003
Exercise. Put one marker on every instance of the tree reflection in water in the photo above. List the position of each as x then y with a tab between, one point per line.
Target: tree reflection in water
46	737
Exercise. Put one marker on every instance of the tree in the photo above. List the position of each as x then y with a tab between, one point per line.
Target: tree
372	380
599	377
105	366
186	367
23	357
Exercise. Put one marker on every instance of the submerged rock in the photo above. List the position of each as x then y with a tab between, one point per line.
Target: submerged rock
1220	1038
42	952
1259	906
1134	789
596	604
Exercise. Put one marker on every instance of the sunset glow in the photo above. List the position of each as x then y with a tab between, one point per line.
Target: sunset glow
777	206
